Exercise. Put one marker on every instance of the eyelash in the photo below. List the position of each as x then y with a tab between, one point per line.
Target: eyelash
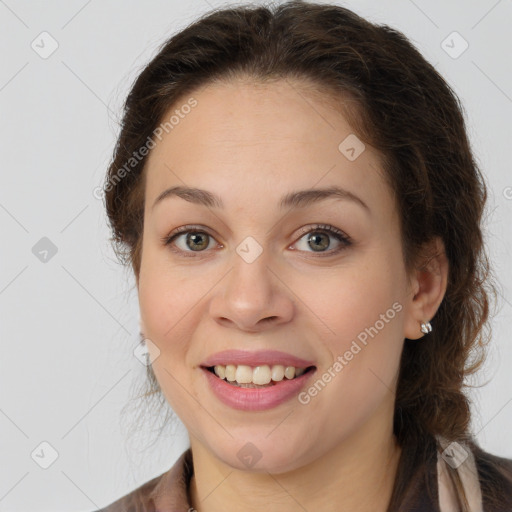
345	240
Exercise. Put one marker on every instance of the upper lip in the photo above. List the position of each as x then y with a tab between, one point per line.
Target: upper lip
256	358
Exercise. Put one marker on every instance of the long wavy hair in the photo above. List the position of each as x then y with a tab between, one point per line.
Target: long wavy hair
400	105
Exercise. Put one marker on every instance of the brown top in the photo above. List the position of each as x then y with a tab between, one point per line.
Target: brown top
168	492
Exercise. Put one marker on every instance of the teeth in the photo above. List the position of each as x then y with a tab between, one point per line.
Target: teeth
243	374
230	372
220	371
289	372
259	375
277	373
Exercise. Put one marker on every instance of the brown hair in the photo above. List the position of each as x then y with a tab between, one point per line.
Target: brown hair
402	107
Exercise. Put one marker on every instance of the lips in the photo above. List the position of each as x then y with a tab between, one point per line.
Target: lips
252	397
259	358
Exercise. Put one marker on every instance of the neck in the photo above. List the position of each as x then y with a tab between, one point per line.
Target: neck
358	474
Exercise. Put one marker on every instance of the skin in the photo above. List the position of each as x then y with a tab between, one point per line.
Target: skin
251	144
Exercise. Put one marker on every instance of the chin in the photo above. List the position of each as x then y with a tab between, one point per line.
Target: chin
261	455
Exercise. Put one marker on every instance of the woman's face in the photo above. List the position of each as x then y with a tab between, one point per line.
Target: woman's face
259	275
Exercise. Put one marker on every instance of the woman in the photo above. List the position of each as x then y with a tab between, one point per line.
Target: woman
294	190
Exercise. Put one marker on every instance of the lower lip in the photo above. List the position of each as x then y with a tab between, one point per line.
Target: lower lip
256	399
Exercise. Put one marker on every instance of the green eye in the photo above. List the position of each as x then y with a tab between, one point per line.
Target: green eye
188	240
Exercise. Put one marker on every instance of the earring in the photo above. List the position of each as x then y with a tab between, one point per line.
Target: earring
426	327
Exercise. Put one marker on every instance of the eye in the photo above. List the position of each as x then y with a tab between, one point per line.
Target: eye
318	239
188	239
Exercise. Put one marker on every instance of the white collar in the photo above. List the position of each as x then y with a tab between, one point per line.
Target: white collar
461	458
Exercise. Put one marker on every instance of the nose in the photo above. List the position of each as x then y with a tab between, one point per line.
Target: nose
252	297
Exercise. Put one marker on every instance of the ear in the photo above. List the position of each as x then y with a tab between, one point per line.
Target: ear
427	289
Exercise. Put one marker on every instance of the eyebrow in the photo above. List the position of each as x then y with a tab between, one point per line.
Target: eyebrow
296	199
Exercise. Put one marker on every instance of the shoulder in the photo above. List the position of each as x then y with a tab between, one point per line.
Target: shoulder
495	476
488	462
137	500
167	491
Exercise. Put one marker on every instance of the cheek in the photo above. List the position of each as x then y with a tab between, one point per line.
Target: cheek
356	299
166	309
164	301
365	314
363	311
163	293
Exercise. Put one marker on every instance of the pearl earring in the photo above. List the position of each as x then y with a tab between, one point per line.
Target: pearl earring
426	327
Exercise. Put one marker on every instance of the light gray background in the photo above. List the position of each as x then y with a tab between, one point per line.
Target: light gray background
68	326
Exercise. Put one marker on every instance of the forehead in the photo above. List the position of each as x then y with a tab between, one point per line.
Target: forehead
247	137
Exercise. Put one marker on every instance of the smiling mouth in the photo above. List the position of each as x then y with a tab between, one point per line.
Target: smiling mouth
264	376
